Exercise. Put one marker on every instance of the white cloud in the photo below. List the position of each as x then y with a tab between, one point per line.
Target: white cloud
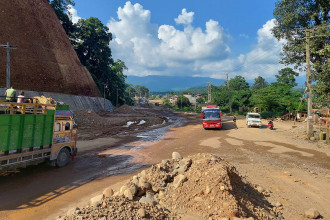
185	17
262	60
74	14
149	49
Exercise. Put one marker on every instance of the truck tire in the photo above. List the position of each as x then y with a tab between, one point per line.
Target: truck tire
63	158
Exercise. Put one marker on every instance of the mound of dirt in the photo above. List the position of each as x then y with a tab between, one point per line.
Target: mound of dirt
44	60
203	185
124	109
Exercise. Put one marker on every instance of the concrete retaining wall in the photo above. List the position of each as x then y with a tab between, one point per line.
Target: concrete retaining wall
75	102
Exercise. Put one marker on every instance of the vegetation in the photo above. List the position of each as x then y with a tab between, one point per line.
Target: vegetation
294	20
90	39
273	99
182	102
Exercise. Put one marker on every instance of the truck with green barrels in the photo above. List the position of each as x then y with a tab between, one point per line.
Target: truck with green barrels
31	133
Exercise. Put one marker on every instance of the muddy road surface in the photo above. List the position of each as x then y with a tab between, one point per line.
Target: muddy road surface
294	172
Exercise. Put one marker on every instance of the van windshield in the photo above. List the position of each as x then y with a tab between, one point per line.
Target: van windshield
253	116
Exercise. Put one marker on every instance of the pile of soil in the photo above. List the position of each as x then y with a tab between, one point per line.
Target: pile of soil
203	185
44	60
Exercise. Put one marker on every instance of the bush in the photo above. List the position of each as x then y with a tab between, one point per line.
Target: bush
267	114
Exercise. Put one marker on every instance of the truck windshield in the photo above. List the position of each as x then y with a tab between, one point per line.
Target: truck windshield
208	114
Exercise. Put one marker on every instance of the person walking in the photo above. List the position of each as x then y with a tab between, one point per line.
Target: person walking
234	122
10	95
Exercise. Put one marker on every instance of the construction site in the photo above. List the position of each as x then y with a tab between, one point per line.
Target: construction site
67	153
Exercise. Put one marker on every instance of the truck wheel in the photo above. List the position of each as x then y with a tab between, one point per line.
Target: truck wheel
63	158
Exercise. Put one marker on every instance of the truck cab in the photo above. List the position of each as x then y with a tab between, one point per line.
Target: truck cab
64	137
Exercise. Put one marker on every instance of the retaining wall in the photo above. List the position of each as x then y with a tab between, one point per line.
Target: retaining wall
75	102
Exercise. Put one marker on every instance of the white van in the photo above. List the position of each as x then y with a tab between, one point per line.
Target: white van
253	119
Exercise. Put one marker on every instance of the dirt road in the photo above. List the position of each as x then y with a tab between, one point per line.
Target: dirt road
294	172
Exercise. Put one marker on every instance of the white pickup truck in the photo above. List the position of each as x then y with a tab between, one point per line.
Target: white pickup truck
253	119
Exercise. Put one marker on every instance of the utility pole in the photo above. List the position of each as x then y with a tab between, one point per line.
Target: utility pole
9	47
229	96
104	97
308	88
181	100
117	98
209	98
309	127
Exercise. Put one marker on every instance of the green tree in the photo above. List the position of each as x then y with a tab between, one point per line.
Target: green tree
259	83
141	91
293	19
238	83
220	96
116	83
279	96
182	101
240	92
93	49
61	10
287	76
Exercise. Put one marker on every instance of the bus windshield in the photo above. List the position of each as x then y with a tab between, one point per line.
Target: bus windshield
211	114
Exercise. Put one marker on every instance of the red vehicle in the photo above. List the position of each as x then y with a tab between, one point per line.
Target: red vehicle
211	115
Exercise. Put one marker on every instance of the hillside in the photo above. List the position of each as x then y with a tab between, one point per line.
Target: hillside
44	59
172	83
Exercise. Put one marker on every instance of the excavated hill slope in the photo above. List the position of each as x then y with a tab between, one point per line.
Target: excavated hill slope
45	60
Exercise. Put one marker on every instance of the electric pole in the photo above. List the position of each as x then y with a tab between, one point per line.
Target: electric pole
309	126
117	98
308	88
9	47
229	96
209	98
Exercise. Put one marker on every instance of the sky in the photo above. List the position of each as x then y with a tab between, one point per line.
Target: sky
190	37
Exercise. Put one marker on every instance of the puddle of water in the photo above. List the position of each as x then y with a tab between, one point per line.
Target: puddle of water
127	159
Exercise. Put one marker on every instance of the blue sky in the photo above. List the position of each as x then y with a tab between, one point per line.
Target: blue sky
190	37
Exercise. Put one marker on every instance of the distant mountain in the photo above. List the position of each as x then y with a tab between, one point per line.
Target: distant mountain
181	83
172	83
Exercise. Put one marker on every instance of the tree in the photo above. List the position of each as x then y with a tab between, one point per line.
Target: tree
141	91
293	19
278	97
259	83
287	76
61	10
238	83
182	101
116	83
93	49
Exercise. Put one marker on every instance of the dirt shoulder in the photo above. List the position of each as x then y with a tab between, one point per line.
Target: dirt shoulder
286	174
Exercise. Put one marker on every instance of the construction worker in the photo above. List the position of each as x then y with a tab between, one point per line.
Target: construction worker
10	95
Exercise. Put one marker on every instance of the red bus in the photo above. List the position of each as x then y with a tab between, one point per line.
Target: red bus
211	115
